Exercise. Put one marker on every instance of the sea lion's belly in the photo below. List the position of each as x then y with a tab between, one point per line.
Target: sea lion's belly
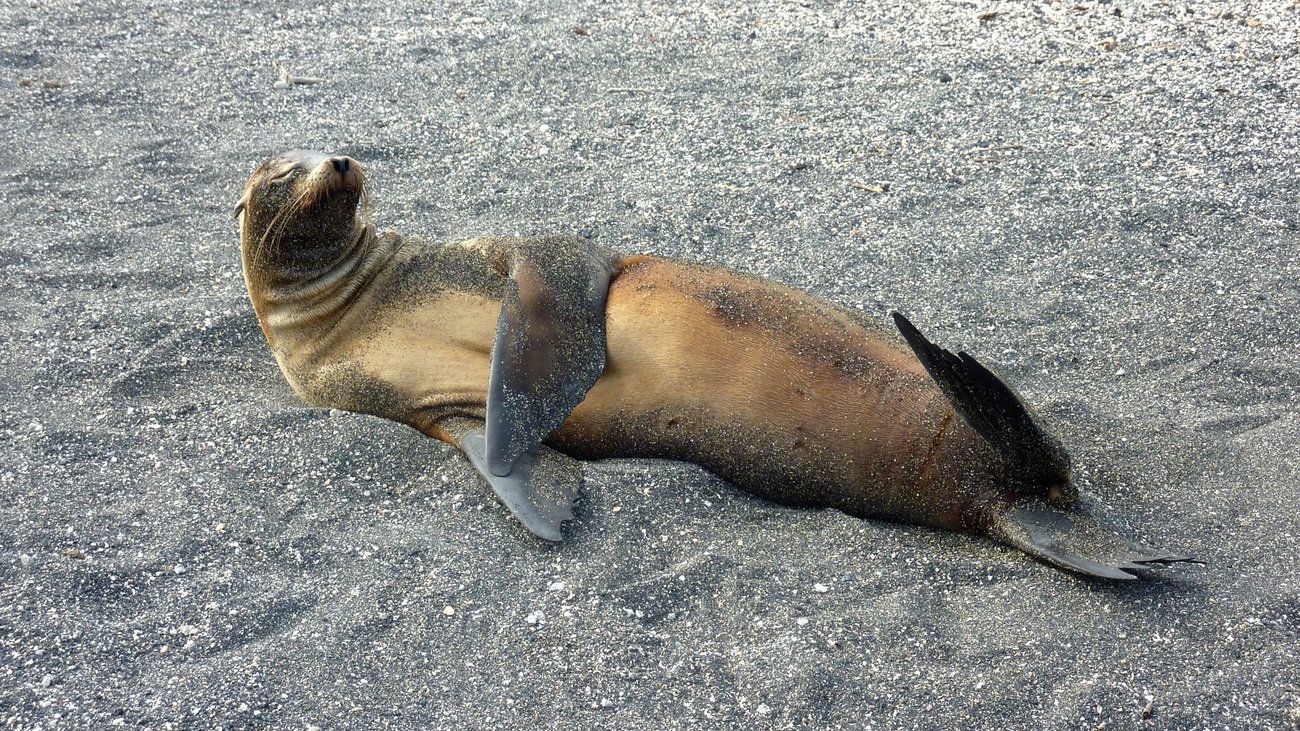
775	390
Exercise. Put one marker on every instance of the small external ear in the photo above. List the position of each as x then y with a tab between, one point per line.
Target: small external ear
258	175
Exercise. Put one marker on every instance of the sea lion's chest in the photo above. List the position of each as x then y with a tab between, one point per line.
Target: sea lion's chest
419	333
438	346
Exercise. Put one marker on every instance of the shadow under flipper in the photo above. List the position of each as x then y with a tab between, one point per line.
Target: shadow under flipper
1072	539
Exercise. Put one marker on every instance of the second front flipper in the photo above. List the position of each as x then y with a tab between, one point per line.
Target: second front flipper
550	342
540	489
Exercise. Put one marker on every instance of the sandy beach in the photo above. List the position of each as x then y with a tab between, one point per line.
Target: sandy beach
1097	199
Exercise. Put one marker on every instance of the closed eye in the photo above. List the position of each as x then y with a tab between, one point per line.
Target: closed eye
284	174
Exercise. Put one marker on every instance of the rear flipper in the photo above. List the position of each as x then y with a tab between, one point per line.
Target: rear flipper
1032	454
540	489
1072	540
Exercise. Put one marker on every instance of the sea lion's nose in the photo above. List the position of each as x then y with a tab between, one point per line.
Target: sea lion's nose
341	165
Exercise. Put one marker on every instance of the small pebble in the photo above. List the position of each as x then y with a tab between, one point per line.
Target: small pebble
46	681
821	588
556	586
801	621
448	611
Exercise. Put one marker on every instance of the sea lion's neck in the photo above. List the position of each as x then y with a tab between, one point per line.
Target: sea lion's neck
303	308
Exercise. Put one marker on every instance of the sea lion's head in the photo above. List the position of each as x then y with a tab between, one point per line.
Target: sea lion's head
299	216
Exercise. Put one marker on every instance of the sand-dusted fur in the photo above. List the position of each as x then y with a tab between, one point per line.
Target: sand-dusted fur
784	394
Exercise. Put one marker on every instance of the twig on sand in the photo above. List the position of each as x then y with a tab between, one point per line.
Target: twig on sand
871	188
997	148
287	79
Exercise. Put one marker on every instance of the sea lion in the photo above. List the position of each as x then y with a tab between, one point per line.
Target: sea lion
522	351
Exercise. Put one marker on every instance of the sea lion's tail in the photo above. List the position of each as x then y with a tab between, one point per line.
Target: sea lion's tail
1060	533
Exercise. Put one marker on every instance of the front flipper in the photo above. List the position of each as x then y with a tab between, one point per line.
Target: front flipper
524	490
550	343
1072	540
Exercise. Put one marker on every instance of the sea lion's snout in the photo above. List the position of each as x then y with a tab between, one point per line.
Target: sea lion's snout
339	169
331	175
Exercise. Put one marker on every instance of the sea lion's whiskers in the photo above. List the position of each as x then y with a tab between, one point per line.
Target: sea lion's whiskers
296	206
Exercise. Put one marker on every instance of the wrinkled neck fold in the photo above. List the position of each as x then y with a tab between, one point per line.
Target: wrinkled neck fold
301	302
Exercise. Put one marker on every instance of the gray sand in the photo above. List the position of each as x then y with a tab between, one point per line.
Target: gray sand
1098	199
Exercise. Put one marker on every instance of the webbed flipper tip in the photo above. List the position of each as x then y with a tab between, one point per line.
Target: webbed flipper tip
520	489
1073	540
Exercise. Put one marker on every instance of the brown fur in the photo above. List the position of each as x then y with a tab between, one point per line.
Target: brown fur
779	392
782	393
